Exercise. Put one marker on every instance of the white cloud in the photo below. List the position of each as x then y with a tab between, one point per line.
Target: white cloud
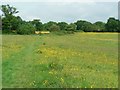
66	11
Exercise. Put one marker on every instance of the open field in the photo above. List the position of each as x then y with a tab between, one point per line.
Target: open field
81	60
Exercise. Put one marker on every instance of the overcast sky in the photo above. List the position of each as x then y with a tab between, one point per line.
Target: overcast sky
68	11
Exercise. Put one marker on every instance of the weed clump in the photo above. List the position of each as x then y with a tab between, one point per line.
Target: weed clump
55	66
39	51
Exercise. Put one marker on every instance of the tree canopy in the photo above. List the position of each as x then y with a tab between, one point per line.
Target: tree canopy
11	22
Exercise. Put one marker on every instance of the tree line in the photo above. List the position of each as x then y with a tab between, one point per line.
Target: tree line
12	23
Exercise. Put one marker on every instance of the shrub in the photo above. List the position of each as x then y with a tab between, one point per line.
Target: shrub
26	28
71	27
54	27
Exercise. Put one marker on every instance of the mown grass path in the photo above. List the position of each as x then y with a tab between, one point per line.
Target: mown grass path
18	67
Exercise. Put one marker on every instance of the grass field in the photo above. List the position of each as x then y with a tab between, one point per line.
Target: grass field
81	60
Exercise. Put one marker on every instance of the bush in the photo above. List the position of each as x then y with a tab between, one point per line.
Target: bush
70	28
26	29
54	27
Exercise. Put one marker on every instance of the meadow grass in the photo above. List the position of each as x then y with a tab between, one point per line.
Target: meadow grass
80	60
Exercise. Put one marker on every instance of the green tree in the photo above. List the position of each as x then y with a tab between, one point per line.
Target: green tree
26	28
9	21
118	25
5	24
47	25
112	25
0	23
84	26
54	27
99	26
62	25
15	22
70	28
11	24
8	10
37	24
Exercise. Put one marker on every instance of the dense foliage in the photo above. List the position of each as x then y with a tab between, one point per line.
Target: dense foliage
10	23
26	28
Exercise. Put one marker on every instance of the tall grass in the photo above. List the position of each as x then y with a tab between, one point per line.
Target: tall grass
80	60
